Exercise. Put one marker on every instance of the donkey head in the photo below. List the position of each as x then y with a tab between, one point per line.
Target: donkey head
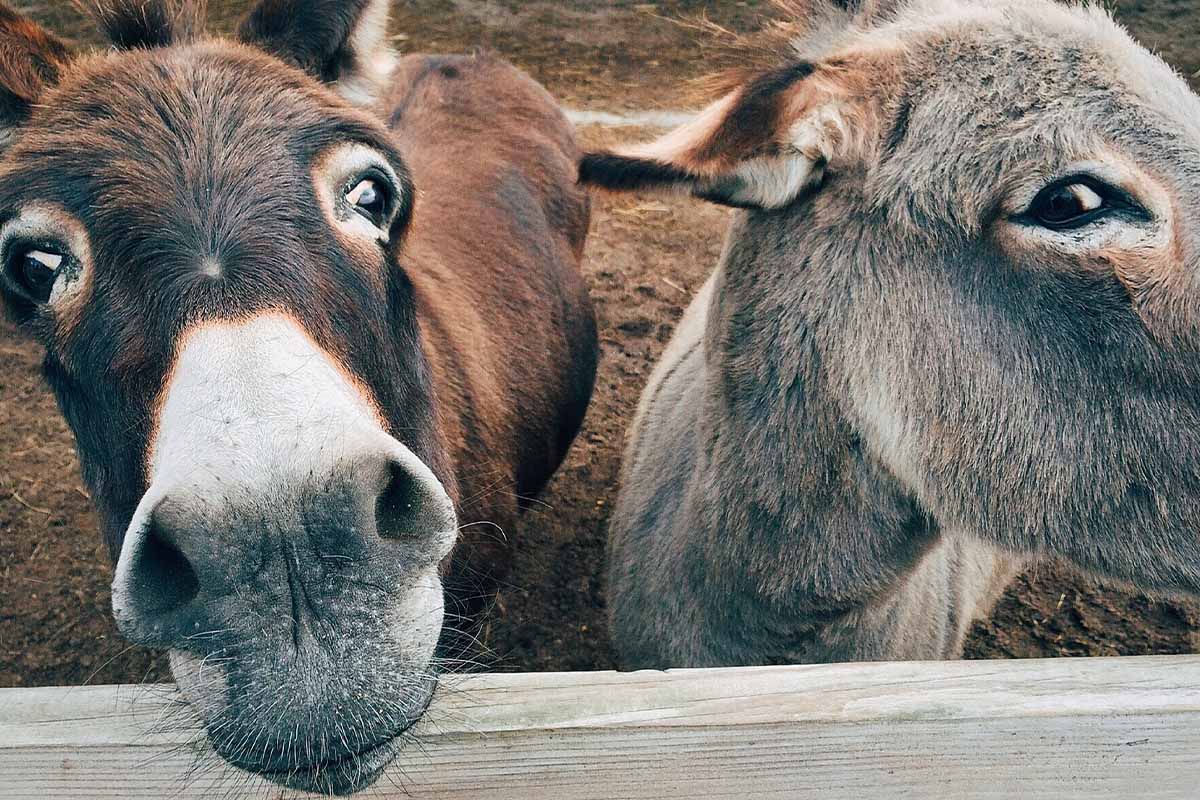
973	229
205	235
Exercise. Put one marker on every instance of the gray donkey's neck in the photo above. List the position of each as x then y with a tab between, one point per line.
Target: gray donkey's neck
814	552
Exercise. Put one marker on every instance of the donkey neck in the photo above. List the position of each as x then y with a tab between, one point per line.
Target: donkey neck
819	529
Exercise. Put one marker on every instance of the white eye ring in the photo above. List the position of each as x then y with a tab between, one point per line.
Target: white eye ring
354	174
46	246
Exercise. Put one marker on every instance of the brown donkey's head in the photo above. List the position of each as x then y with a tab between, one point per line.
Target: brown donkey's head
205	236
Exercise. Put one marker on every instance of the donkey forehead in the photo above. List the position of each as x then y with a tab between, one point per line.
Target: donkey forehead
191	162
1038	58
995	93
192	172
193	126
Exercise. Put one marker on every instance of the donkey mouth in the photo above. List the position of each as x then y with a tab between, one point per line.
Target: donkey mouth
341	776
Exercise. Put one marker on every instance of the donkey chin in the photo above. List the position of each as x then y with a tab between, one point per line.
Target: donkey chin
325	716
287	553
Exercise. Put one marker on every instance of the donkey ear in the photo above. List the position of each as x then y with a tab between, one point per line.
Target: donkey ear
134	24
30	60
341	42
761	146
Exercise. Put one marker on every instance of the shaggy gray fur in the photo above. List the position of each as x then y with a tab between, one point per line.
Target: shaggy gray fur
893	392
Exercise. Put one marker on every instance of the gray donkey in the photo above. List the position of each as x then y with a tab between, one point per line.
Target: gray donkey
955	328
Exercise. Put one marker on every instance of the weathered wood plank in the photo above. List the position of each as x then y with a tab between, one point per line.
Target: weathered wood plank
1086	728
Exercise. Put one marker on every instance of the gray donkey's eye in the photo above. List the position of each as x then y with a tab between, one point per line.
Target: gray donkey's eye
1076	202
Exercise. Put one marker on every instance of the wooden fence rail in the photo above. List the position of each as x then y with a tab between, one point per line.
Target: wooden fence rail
1081	728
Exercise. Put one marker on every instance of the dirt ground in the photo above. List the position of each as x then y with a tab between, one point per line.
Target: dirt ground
645	259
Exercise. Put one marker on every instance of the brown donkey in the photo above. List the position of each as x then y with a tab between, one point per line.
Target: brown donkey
305	309
955	326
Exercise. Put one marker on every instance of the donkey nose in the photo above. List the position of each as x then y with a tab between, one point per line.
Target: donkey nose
196	554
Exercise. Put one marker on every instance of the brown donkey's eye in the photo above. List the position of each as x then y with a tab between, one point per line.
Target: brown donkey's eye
36	270
370	197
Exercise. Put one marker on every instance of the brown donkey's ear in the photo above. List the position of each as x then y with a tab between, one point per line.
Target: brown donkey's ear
760	146
341	42
30	60
132	24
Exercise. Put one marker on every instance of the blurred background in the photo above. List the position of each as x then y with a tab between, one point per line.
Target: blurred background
645	258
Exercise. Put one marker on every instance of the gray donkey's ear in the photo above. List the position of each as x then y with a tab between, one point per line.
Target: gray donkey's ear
30	61
341	42
760	146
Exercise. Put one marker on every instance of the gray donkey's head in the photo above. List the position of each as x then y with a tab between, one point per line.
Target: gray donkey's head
977	224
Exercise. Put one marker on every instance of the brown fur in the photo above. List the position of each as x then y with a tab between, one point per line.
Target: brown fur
508	131
29	59
317	38
130	24
198	175
461	236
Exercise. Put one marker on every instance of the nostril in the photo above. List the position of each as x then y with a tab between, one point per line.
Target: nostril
163	578
398	510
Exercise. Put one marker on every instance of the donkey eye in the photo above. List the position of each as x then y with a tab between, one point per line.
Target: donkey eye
1071	204
371	198
36	269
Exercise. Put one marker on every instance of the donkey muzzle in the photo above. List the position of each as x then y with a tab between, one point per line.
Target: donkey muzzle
287	553
200	557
